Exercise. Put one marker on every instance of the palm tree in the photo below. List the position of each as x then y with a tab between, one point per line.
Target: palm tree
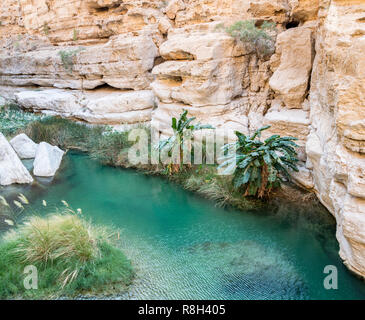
260	166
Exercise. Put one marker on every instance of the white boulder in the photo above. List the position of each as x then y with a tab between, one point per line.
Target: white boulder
47	160
11	168
24	146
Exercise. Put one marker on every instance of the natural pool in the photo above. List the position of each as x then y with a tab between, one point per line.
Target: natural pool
183	247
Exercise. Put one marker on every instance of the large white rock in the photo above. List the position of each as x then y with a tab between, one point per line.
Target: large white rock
25	147
11	168
55	101
47	160
104	106
117	107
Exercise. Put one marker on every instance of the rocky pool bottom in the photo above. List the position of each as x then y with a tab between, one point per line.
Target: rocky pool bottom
183	247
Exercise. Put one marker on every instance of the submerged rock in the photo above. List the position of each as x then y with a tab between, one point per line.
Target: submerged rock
47	160
24	146
11	168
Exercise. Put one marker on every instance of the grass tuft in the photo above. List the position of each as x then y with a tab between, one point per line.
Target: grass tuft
71	255
205	181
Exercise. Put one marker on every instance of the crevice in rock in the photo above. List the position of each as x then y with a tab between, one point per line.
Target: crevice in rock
102	9
177	79
292	24
310	74
116	8
106	86
158	60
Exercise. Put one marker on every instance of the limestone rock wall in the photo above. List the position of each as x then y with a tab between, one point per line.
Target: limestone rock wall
336	142
128	61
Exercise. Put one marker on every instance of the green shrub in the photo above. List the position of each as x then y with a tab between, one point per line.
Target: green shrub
256	38
75	35
67	58
101	142
260	166
205	181
12	119
109	147
46	28
64	133
71	255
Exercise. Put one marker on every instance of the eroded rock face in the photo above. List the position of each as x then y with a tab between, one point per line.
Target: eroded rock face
104	106
123	62
295	53
11	168
24	146
47	160
213	76
335	144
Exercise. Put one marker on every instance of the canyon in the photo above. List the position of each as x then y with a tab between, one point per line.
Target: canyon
124	62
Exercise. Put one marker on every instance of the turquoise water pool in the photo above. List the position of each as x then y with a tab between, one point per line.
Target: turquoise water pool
183	247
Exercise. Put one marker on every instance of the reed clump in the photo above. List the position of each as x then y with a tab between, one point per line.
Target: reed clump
72	256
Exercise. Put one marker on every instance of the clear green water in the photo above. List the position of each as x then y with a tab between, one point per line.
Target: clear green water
183	247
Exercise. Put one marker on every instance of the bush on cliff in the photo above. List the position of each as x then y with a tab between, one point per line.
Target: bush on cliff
257	38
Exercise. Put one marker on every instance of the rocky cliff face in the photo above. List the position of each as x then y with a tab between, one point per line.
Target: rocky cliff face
124	62
336	143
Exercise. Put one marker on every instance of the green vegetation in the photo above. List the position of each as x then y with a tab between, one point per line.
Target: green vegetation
111	148
67	58
12	119
11	213
205	181
63	133
260	166
101	142
256	38
182	129
46	28
163	4
71	255
75	35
